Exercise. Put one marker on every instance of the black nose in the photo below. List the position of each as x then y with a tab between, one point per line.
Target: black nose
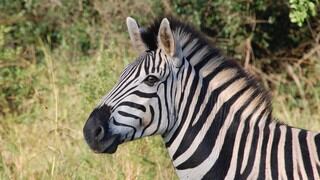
96	128
99	133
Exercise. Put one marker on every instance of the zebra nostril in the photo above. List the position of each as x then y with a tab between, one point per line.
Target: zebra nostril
99	133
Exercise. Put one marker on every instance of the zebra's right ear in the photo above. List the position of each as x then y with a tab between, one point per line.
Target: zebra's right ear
135	35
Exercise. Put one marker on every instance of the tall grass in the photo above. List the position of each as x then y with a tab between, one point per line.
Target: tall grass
52	145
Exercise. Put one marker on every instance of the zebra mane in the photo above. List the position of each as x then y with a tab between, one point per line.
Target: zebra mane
185	33
201	53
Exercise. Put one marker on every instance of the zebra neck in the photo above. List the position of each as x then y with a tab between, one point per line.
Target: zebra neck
204	104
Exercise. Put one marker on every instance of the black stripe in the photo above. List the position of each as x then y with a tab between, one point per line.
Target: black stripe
187	43
154	64
138	71
201	97
194	50
305	153
274	152
119	97
210	56
168	95
317	143
122	96
288	153
160	116
160	60
183	88
151	121
147	64
266	134
125	114
144	94
133	105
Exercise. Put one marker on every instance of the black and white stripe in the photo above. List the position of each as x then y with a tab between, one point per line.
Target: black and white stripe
216	120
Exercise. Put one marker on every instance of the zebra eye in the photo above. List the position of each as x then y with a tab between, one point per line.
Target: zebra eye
151	80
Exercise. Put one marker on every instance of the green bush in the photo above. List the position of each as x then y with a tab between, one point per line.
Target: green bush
28	21
76	30
301	10
266	23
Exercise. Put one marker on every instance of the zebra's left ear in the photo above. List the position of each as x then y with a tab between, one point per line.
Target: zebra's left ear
135	35
168	43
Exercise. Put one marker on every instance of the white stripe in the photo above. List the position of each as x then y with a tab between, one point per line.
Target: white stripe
250	135
211	65
269	148
297	156
199	55
189	47
255	171
181	36
313	154
281	158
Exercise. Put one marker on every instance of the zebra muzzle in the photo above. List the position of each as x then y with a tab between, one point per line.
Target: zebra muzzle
97	134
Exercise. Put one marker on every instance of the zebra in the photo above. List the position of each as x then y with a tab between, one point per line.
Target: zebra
214	117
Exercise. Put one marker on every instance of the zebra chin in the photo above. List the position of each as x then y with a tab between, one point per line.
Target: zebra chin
108	146
101	143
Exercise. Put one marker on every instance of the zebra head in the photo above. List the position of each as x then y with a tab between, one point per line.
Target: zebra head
141	103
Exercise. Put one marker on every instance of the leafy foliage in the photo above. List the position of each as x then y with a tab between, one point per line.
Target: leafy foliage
301	10
265	23
77	29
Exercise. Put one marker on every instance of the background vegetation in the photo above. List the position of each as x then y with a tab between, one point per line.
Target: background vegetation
59	57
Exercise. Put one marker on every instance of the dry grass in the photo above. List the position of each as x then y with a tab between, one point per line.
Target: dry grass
52	145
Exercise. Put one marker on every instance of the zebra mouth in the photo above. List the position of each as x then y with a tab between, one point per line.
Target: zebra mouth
109	146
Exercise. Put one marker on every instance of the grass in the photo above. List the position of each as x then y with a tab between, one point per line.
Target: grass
41	133
52	145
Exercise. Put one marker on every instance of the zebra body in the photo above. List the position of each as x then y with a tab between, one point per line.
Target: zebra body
215	118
